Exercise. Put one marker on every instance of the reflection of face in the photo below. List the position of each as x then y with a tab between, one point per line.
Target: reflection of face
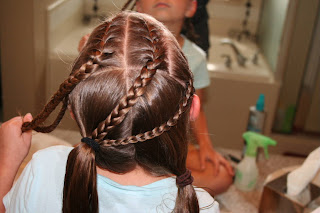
166	10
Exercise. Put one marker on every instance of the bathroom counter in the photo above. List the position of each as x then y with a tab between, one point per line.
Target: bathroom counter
236	201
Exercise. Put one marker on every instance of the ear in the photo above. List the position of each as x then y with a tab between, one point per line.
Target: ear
83	42
71	113
191	9
72	116
195	108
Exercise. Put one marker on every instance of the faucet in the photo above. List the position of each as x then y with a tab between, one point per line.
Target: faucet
240	58
228	60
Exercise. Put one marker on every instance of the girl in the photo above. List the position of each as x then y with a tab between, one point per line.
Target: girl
210	169
130	92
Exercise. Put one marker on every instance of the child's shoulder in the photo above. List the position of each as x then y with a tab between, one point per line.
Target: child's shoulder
53	150
53	154
190	47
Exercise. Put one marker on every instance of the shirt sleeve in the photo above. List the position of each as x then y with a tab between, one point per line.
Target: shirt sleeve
15	199
198	64
201	75
40	186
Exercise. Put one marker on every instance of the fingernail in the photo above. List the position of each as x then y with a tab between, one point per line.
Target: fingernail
28	116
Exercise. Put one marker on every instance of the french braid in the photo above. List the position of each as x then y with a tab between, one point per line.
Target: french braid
136	91
64	90
51	127
157	131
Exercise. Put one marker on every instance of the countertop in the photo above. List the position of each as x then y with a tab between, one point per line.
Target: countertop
234	200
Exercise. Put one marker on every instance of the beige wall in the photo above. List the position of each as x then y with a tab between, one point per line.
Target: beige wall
20	74
298	51
229	15
23	55
227	109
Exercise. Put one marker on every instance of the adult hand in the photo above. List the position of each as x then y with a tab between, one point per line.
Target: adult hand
207	153
14	145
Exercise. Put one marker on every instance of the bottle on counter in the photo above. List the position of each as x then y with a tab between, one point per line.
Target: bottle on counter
257	116
247	171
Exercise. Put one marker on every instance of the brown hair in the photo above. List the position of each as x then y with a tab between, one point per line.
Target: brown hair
130	83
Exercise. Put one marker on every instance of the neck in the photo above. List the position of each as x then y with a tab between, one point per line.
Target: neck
136	177
175	28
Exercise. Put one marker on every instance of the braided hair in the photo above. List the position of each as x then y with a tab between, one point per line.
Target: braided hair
130	91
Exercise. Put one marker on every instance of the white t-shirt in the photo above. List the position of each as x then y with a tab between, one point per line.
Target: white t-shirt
197	62
40	189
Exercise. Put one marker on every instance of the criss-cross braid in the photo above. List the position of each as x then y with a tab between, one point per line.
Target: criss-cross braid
137	90
157	131
66	87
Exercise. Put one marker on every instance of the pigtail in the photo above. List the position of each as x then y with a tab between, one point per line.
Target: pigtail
80	184
187	201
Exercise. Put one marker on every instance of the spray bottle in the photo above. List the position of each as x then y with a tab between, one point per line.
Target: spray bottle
247	170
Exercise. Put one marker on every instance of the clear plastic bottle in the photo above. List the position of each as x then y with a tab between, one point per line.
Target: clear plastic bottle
247	171
246	174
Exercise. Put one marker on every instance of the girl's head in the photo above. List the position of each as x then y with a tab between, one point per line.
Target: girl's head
130	90
139	86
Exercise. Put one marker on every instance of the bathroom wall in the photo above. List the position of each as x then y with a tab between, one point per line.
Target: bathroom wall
293	68
22	66
62	17
271	28
105	8
24	51
229	15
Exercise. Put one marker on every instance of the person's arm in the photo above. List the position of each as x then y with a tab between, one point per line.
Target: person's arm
14	147
206	149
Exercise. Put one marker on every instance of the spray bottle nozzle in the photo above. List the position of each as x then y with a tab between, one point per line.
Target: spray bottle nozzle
260	103
255	140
